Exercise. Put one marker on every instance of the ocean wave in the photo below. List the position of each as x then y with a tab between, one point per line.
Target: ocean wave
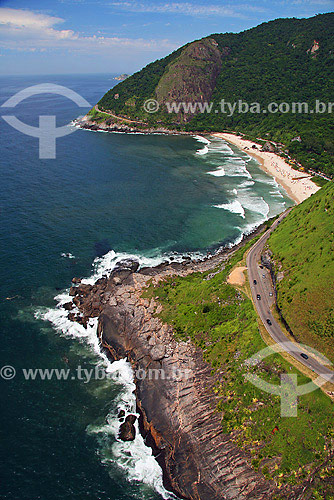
199	138
214	147
220	146
103	266
254	203
234	207
202	151
277	194
246	184
220	172
236	167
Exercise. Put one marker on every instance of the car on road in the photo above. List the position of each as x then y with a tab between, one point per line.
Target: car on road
270	294
269	322
255	282
258	296
263	275
303	355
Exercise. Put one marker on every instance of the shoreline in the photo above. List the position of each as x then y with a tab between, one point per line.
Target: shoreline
178	418
298	185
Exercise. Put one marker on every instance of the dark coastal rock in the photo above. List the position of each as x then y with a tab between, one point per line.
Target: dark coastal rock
76	280
119	276
129	264
121	414
158	352
68	306
77	301
83	289
82	320
127	431
102	282
174	388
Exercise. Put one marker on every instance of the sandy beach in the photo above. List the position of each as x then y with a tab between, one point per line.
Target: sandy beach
298	185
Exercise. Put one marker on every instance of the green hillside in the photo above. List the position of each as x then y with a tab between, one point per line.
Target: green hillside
303	250
220	319
286	60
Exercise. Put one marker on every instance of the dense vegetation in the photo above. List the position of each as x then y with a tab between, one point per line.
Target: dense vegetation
303	249
270	63
221	320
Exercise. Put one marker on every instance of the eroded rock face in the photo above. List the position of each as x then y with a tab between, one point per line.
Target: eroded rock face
174	385
176	398
192	76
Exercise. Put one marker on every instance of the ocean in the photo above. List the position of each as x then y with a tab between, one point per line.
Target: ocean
106	196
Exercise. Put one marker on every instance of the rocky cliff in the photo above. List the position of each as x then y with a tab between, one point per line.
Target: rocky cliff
174	384
192	76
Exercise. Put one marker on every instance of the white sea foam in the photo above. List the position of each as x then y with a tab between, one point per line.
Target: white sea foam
234	206
134	458
236	167
202	151
67	255
254	203
220	172
246	184
214	147
221	147
199	138
277	194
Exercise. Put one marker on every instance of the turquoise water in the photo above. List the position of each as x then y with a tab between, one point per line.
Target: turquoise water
103	197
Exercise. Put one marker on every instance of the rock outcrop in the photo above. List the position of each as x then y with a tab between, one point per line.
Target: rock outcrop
192	76
174	385
127	431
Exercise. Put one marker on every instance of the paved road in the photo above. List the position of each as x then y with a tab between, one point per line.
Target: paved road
118	117
263	287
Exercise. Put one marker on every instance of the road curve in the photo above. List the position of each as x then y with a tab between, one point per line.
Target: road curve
118	117
264	287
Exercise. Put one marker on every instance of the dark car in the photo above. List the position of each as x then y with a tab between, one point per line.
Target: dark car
258	296
269	322
303	355
261	267
255	282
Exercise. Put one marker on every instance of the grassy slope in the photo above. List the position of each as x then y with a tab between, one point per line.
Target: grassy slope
221	320
303	248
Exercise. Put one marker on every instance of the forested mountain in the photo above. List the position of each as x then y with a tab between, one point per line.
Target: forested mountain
286	60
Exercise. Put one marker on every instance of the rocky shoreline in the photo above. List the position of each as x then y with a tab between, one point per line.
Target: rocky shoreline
110	125
174	385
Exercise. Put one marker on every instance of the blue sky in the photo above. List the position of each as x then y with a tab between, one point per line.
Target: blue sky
116	36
